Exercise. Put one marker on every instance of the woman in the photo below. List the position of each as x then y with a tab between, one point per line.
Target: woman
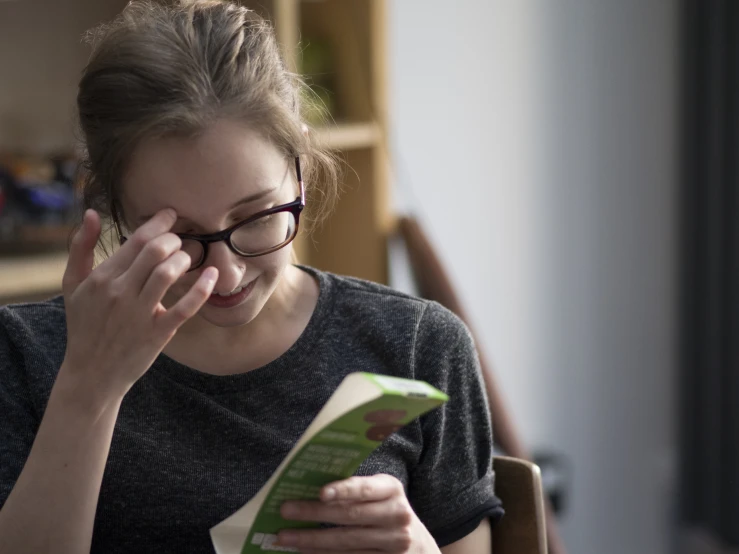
159	393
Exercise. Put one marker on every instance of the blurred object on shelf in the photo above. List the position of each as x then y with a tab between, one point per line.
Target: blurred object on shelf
318	69
37	202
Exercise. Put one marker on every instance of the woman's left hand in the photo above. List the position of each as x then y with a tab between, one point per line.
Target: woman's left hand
374	514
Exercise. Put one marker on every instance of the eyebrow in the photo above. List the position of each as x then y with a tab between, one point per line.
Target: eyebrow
246	200
253	197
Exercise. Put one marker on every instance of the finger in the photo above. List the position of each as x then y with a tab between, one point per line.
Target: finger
82	252
161	223
363	489
319	551
344	539
153	257
164	276
394	512
188	305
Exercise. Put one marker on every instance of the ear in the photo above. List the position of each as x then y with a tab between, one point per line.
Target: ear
305	130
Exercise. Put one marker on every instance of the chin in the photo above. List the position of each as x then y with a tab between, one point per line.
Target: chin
231	317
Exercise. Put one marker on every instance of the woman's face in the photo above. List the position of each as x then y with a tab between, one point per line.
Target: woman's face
213	181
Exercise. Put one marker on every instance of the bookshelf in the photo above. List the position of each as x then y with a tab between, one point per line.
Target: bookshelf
24	277
352	241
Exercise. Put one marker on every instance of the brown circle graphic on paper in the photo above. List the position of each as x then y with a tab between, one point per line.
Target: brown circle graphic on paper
381	432
385	416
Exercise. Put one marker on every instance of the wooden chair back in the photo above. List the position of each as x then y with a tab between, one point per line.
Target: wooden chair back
523	528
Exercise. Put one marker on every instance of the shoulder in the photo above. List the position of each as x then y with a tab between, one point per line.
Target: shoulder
367	295
431	325
35	320
33	337
361	290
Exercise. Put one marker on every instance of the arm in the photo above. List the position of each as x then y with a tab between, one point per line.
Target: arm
375	516
116	327
52	506
480	541
450	490
452	485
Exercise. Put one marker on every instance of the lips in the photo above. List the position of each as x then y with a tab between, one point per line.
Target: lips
234	298
237	291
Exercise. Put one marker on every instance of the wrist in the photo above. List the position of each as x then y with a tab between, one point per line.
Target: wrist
426	543
77	391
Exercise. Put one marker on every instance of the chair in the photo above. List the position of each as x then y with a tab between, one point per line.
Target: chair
523	528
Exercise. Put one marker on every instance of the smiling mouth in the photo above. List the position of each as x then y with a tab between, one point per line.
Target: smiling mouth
233	298
235	291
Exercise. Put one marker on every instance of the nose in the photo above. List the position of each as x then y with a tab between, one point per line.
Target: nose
230	267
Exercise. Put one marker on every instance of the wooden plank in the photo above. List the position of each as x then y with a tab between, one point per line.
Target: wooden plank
31	275
287	23
349	242
350	136
378	31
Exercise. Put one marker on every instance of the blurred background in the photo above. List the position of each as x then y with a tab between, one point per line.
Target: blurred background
573	165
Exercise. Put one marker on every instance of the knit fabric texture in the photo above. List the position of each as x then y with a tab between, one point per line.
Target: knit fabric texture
190	448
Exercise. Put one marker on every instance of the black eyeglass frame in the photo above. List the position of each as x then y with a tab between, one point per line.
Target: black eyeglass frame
295	207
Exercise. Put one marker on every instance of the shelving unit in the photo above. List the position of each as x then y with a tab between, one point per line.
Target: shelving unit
351	136
353	240
28	276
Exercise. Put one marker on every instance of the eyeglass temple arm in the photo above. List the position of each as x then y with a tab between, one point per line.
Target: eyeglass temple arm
300	178
116	224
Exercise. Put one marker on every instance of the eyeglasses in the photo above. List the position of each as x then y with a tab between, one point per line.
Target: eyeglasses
263	233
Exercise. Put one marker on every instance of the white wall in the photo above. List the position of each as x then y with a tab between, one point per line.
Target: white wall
548	130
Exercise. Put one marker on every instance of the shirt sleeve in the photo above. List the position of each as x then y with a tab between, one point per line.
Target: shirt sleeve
452	487
18	420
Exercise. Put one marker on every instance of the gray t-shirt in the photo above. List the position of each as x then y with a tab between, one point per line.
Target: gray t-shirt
190	448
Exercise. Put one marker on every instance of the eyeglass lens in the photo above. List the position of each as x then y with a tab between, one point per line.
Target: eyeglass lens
256	237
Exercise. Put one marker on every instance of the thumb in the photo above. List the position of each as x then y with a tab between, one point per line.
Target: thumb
82	252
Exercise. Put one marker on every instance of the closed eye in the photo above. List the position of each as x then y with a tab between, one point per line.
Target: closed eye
261	221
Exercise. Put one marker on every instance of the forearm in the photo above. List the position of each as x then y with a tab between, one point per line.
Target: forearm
52	506
478	542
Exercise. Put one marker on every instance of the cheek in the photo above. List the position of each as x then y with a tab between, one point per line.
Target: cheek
272	267
277	260
283	258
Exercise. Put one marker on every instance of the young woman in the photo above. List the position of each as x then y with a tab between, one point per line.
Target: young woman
161	390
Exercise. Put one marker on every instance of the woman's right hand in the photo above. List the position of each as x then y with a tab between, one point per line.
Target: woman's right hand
116	323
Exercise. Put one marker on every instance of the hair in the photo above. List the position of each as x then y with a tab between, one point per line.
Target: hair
161	70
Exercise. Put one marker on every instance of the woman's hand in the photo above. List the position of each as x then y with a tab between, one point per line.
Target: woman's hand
375	515
116	324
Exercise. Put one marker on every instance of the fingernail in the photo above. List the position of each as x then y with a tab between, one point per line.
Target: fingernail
329	493
210	274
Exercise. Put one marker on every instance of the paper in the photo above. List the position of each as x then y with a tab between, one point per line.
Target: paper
363	411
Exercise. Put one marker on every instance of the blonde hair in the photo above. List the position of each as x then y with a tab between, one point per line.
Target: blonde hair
174	69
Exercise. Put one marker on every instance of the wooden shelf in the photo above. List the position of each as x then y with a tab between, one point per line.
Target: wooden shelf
30	275
350	136
355	33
